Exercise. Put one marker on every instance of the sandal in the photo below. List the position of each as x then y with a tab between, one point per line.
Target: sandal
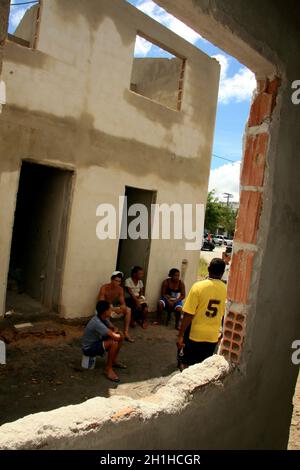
130	340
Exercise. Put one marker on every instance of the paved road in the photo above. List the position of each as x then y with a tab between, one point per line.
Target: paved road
209	255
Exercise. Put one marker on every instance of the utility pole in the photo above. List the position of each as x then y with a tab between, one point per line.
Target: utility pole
228	196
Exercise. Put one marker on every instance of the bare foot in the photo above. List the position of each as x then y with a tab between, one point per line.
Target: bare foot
111	375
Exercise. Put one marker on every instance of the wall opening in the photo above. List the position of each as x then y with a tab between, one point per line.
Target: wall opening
160	75
39	235
135	252
24	20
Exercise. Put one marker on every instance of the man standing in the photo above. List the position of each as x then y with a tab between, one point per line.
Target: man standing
114	294
203	313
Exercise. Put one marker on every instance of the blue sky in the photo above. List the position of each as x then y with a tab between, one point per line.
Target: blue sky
236	87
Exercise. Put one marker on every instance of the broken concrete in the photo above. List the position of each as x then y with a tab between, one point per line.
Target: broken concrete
92	425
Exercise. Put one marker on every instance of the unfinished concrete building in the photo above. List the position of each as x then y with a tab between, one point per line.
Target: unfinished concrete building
251	405
85	123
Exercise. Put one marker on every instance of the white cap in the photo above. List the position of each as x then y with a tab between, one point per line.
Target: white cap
115	273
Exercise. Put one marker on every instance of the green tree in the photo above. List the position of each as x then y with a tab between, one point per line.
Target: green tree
212	213
219	215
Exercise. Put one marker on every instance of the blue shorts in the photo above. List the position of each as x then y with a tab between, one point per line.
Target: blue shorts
97	349
165	302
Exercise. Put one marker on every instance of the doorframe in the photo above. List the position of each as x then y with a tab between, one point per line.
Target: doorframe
67	216
153	201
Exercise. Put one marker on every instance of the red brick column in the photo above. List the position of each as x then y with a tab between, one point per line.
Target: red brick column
251	198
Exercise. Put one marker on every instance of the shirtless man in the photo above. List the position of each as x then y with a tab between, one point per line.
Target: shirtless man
114	294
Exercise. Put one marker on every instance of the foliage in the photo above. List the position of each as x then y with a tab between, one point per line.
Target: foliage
219	215
202	271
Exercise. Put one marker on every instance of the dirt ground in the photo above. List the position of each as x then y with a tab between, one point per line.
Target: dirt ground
43	369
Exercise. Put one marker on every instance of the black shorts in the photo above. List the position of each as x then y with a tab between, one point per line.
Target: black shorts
135	313
195	352
97	349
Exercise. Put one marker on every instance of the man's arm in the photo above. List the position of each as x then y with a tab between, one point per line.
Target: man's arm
187	320
164	289
182	291
113	335
101	295
131	293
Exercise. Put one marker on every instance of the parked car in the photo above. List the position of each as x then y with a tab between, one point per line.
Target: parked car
218	239
208	245
228	242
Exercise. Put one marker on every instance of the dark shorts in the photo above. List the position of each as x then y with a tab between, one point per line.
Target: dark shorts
135	313
98	349
195	352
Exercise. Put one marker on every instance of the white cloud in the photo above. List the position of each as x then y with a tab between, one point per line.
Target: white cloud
226	179
237	88
160	15
142	46
16	14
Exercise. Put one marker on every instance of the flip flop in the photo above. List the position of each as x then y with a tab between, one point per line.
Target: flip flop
130	340
119	365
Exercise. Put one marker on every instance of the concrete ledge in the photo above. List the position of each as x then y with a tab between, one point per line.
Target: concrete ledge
102	423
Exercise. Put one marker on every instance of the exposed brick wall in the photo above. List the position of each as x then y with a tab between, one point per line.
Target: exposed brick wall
252	186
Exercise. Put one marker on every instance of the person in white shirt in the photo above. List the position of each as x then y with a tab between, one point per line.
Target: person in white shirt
135	298
226	256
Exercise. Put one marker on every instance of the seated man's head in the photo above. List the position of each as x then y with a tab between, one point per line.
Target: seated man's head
137	273
103	309
116	278
216	268
174	274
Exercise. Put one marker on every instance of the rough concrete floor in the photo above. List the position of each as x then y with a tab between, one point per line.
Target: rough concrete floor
43	370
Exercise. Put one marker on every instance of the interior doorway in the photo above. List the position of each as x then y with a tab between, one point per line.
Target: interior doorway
136	252
39	236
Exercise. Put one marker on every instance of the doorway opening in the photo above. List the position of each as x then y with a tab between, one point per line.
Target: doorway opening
135	252
39	238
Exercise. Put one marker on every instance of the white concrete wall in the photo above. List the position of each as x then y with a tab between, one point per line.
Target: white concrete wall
157	79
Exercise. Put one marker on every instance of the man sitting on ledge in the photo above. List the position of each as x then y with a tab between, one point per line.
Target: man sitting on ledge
101	336
114	294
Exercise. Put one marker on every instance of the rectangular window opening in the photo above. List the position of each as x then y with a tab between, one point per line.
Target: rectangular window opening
157	73
24	19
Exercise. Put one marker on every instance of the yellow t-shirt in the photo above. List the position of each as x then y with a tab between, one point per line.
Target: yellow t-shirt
206	301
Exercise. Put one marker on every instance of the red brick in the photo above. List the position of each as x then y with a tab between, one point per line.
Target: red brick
261	109
254	160
240	276
234	333
248	216
272	87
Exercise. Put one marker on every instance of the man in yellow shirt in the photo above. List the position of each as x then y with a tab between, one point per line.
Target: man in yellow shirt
203	313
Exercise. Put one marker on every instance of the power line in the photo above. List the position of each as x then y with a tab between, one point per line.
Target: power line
223	158
23	3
